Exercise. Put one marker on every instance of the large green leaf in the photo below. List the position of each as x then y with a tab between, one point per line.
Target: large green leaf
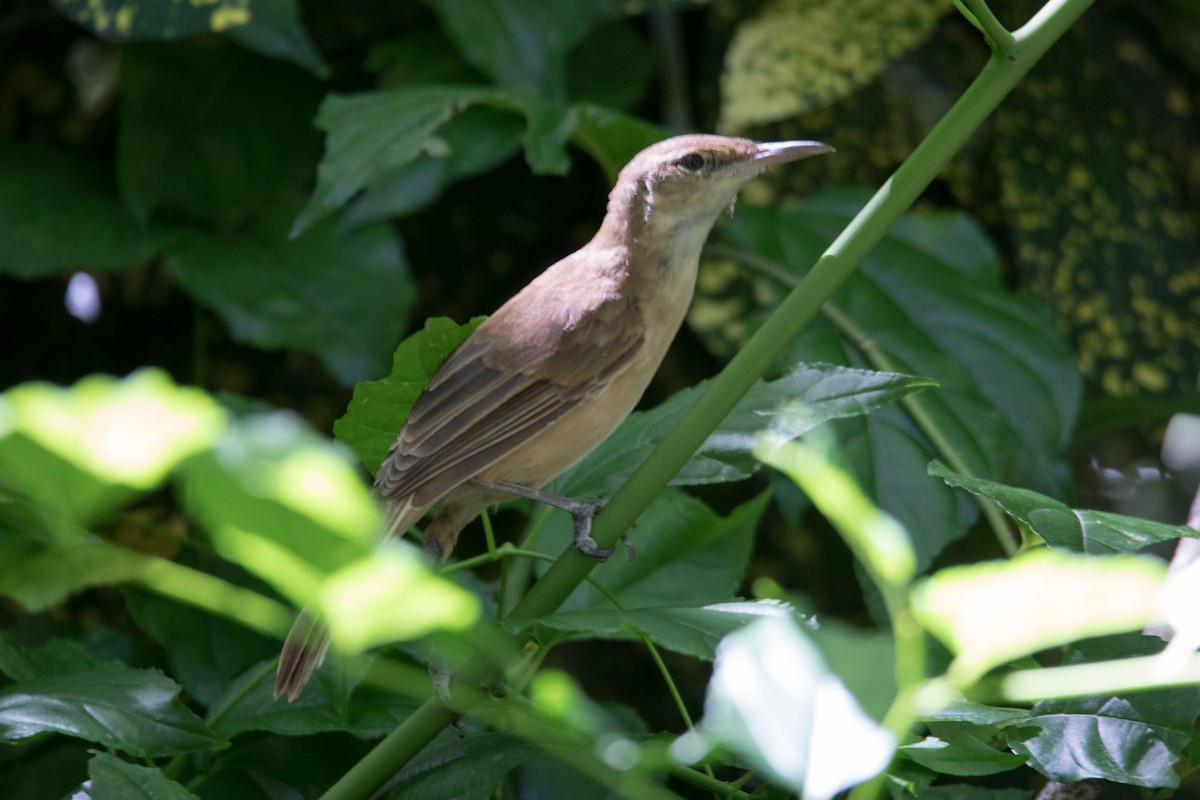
465	768
797	55
132	710
788	406
928	300
1081	530
61	213
378	409
212	132
342	294
786	698
272	27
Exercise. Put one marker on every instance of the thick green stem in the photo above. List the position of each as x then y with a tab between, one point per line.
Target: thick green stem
995	81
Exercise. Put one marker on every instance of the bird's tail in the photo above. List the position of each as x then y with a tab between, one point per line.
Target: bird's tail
307	642
303	651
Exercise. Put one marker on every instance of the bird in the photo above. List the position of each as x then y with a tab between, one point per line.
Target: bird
550	374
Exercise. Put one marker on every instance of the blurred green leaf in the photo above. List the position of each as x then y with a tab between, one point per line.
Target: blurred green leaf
212	132
378	409
611	68
392	596
40	574
61	213
686	555
788	706
282	502
114	779
693	631
342	294
796	56
52	657
272	27
992	613
789	406
87	448
1081	530
131	710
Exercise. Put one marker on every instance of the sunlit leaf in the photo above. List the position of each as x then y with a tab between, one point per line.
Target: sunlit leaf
991	613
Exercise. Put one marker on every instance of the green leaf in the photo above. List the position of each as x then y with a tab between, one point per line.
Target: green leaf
1072	740
928	300
964	755
52	657
373	134
686	555
521	44
467	768
87	448
1081	530
789	406
342	294
114	779
234	128
132	710
272	27
992	613
691	631
796	56
282	502
786	704
61	213
378	409
612	138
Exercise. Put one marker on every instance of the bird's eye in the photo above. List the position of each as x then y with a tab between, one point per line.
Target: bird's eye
692	162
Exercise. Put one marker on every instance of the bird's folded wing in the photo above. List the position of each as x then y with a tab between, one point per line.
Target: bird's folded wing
501	387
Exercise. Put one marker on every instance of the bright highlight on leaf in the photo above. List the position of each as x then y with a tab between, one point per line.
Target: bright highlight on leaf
774	700
991	613
392	596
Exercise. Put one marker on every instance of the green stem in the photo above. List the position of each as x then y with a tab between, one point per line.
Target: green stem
980	15
1081	680
994	82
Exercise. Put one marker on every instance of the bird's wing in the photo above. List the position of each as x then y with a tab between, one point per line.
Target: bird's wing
525	366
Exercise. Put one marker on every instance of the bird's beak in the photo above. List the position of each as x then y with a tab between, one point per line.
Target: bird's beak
771	153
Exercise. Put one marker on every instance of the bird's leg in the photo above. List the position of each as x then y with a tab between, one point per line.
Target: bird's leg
581	513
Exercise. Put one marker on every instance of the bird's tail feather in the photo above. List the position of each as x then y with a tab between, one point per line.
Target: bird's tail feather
303	651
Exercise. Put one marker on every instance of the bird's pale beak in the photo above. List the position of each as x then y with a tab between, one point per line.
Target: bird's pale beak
771	153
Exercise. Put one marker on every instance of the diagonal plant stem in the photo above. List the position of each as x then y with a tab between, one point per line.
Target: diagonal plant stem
997	78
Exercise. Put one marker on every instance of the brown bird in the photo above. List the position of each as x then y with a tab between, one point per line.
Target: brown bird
556	369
